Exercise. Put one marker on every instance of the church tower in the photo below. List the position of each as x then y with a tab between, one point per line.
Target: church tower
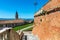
16	16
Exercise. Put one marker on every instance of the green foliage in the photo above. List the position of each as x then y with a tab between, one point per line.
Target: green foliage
21	27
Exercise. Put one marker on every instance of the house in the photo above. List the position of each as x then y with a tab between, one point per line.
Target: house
12	23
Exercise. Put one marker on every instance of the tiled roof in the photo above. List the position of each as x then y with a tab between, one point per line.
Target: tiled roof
11	21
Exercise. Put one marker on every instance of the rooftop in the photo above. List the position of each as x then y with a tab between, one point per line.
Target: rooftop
11	21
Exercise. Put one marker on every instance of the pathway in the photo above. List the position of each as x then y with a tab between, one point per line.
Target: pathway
24	29
28	34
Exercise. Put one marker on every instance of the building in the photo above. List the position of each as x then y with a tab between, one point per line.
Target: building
12	23
47	21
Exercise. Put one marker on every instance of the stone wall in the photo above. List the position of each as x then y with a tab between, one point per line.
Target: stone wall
14	35
47	27
51	4
11	35
5	35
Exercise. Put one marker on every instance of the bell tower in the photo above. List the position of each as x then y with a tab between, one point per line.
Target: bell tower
16	15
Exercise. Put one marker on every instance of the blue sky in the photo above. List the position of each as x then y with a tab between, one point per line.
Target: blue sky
25	8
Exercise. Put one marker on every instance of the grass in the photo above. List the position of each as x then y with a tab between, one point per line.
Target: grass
22	26
30	29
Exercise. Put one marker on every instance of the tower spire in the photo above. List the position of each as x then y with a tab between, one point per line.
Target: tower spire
16	16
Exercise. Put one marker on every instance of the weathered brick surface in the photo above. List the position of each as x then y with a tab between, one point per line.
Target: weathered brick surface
47	27
51	4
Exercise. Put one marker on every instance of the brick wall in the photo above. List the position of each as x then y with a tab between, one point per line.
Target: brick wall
51	4
47	27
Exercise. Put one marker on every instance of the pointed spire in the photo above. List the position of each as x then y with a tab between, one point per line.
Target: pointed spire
16	16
